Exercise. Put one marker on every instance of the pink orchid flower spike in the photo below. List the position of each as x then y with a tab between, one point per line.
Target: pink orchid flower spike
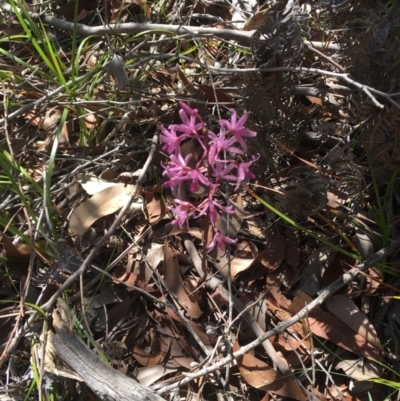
237	129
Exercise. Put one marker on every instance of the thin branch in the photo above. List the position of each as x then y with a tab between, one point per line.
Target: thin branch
368	90
214	283
133	27
330	59
345	279
34	105
49	305
85	30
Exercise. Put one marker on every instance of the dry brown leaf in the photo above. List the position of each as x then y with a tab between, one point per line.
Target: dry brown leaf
255	228
150	374
155	207
336	198
328	326
310	280
198	329
276	293
47	121
102	204
216	95
173	280
315	100
91	120
152	359
258	374
93	185
275	254
358	369
230	224
131	279
178	354
283	315
244	258
286	345
255	20
155	254
20	251
347	311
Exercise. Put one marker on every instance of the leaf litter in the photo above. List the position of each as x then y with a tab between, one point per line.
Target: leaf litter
148	303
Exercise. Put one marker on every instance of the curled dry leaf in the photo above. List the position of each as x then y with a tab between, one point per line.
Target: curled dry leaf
17	251
241	261
274	255
131	279
364	244
93	185
117	71
230	224
47	121
347	311
153	358
154	254
155	207
180	350
102	204
256	19
310	280
258	374
173	280
328	326
358	369
150	374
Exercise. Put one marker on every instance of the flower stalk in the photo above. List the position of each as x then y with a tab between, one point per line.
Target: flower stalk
185	175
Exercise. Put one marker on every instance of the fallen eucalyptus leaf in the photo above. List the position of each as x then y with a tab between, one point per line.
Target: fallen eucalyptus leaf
102	204
93	185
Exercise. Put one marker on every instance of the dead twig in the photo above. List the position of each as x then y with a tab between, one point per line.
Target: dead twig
342	281
106	382
369	91
133	27
49	305
214	283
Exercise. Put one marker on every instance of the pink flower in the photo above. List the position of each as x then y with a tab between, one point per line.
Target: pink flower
190	111
189	125
220	240
210	171
243	171
220	143
221	172
237	128
179	171
210	206
171	140
183	212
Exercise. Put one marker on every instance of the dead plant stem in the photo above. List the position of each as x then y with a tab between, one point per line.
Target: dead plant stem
342	281
49	305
